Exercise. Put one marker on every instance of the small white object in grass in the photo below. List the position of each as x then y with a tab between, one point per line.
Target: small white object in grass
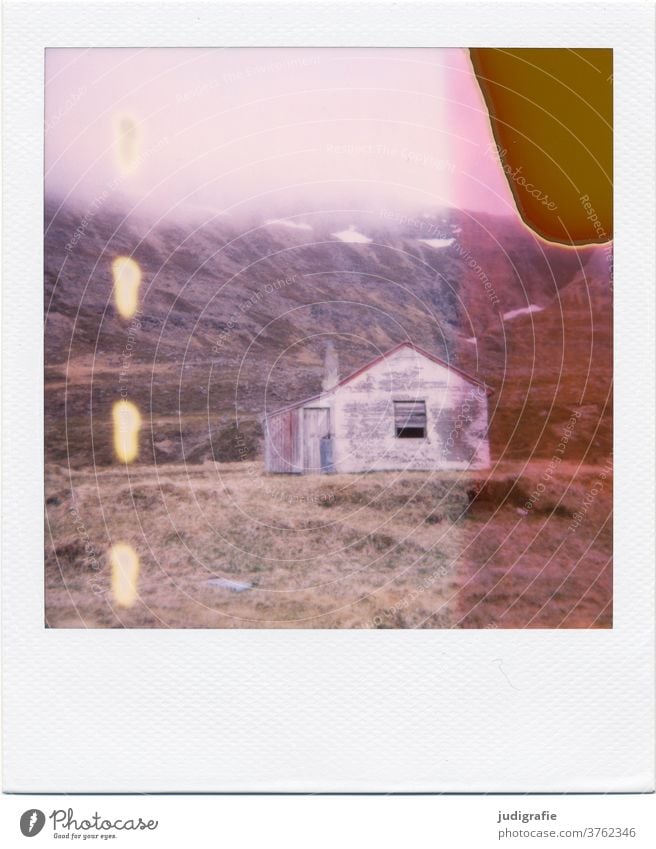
523	311
225	583
351	235
522	512
472	340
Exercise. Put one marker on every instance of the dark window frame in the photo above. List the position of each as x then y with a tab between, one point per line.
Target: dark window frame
411	423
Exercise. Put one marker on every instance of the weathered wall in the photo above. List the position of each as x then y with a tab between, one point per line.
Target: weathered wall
363	418
282	443
362	421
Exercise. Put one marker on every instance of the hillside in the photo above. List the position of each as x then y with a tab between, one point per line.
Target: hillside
236	313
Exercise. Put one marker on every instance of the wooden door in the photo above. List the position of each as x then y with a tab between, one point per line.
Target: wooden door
316	425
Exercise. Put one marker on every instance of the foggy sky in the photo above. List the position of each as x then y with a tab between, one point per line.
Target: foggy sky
230	129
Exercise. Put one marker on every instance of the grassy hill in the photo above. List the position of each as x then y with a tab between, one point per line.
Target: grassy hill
235	314
234	319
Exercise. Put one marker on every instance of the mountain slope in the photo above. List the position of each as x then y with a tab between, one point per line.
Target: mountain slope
235	315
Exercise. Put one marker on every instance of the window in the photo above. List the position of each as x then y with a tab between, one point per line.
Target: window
410	419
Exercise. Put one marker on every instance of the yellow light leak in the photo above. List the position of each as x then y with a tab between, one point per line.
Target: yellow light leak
127	279
127	144
125	573
127	423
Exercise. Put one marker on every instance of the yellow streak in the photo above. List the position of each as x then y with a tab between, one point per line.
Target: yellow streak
127	423
127	144
127	279
125	572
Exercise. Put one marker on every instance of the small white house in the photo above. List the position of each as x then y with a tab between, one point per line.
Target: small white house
405	410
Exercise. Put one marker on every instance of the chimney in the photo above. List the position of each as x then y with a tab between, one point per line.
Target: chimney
330	367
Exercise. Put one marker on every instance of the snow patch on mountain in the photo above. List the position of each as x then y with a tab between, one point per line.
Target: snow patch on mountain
292	224
352	235
507	316
437	243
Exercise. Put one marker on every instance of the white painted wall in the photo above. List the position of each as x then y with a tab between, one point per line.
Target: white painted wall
362	417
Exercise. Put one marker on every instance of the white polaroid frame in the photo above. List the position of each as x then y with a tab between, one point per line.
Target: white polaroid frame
309	711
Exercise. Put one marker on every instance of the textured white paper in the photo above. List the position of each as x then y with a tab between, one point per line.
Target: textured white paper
147	711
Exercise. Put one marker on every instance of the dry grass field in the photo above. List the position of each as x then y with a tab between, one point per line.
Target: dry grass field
393	550
384	550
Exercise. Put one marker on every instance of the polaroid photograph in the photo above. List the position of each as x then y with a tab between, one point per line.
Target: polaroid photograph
308	362
327	413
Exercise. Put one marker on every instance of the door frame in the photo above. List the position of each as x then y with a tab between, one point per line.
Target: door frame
306	468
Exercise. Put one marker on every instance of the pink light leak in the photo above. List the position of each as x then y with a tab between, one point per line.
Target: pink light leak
480	183
227	129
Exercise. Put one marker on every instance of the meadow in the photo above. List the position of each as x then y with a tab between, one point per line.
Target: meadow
224	545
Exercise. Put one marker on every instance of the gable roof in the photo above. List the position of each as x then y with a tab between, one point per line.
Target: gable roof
375	361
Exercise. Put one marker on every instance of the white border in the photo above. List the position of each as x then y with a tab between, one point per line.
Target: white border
149	711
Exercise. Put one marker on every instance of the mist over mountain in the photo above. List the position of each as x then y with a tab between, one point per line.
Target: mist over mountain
236	311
